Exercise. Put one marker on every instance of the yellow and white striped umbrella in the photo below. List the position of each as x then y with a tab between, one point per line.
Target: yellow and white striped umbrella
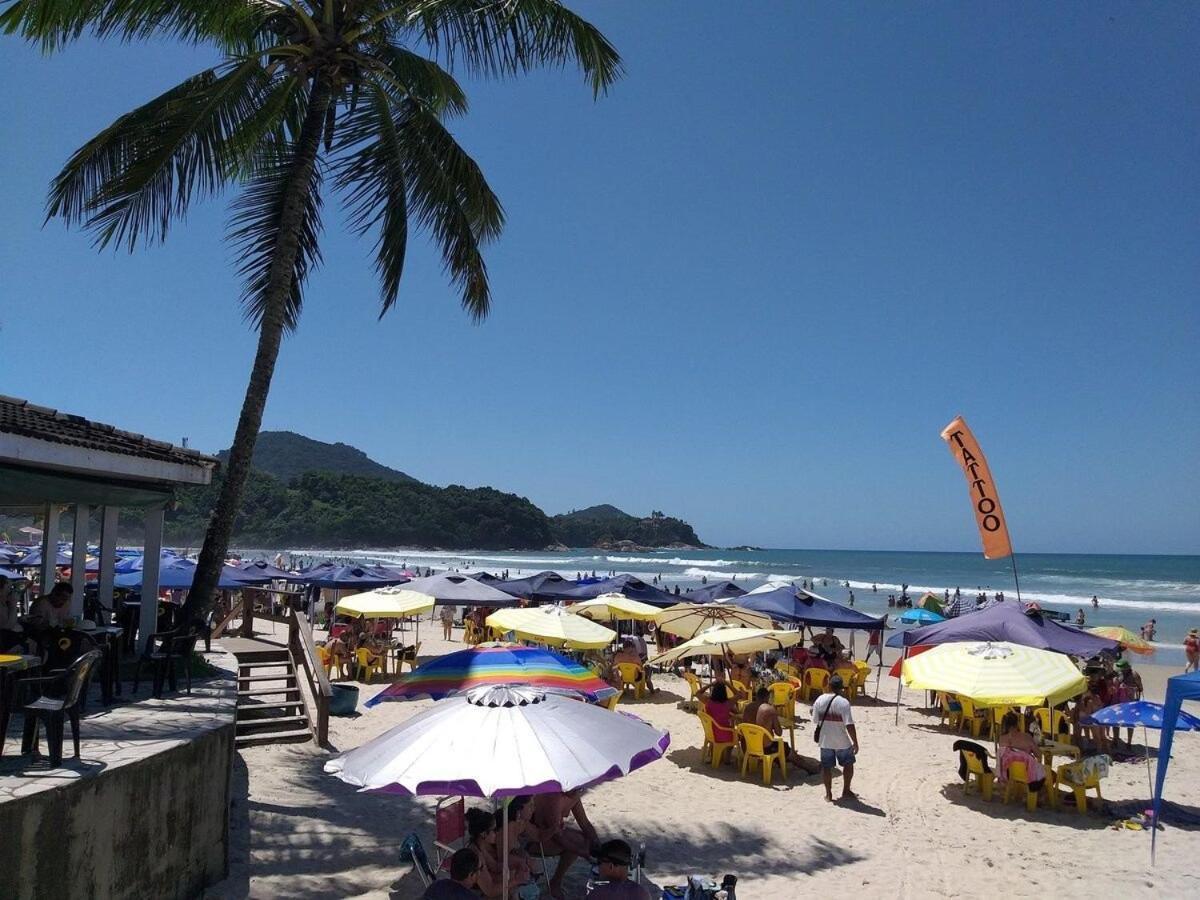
614	607
995	674
552	626
721	639
385	603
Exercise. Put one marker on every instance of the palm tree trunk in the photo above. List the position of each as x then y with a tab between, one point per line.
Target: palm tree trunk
270	335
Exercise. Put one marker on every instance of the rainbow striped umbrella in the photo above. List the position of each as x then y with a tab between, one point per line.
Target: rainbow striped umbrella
496	663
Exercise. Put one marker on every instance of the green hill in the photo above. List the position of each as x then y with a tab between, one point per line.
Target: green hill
606	525
287	455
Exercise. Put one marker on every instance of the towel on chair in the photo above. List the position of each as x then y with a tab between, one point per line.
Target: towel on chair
971	747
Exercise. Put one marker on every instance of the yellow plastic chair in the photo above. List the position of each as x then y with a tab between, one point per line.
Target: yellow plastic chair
407	655
862	669
971	717
815	683
712	746
740	691
632	676
783	698
1055	733
693	683
997	714
1079	790
849	676
611	702
985	780
755	739
368	665
326	659
785	668
1018	777
949	713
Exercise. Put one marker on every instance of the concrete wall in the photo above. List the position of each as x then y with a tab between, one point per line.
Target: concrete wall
154	824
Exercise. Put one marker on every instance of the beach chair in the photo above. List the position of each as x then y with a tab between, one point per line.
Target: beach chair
408	655
950	714
862	670
849	677
632	676
971	717
715	748
976	773
755	740
1066	777
996	715
449	827
693	683
815	683
413	851
611	702
71	689
1018	778
1055	733
783	698
368	665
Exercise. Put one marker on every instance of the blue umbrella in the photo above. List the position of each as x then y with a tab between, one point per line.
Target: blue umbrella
921	617
178	575
1144	713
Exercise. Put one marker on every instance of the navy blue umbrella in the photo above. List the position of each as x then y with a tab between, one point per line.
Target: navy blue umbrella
178	575
259	570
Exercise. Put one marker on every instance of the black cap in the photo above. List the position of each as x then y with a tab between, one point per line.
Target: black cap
616	852
836	683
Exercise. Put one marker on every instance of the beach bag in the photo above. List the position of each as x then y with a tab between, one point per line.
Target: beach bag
817	730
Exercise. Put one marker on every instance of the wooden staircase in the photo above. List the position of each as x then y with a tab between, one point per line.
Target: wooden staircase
270	708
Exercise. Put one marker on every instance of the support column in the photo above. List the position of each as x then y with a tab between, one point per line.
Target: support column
79	558
49	547
108	554
148	623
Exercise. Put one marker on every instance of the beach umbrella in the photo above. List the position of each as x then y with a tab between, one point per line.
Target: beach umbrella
1128	640
921	617
1144	713
734	639
450	589
500	742
552	625
385	603
261	570
615	607
689	619
996	674
931	602
496	663
177	575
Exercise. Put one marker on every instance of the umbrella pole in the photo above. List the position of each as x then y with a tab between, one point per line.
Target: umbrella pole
504	820
900	680
1149	777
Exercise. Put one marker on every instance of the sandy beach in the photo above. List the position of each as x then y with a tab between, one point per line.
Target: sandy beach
297	832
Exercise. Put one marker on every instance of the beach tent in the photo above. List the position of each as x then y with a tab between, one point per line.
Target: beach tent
931	602
720	590
259	570
34	558
328	575
1179	688
548	586
13	574
177	575
484	577
1008	621
801	607
449	589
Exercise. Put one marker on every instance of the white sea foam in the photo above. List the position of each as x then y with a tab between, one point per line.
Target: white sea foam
723	576
680	561
1074	601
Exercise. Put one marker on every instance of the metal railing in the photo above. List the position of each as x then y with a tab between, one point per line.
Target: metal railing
304	656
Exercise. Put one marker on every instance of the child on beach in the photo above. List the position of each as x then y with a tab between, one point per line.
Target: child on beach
1191	649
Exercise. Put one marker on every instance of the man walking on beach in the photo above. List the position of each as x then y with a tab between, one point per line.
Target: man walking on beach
837	738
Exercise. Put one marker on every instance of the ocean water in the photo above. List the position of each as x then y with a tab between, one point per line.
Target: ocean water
1131	589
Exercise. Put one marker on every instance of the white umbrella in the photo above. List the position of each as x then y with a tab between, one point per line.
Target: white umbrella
500	742
719	640
689	619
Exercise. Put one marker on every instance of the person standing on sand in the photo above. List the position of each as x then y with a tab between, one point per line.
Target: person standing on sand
1191	649
837	737
447	615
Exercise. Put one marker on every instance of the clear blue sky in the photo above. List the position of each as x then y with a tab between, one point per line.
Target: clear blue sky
749	287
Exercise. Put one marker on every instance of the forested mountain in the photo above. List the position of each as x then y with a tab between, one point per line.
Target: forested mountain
307	493
287	455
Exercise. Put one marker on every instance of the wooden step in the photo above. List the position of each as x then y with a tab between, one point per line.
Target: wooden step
246	657
286	676
259	692
270	723
244	709
285	663
293	736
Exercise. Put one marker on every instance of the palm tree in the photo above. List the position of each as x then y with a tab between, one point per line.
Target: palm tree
348	92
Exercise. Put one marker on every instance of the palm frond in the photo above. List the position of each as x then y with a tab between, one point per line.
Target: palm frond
130	181
392	146
406	72
505	37
55	23
258	228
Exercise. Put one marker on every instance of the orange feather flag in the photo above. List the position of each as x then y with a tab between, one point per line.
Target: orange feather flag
985	500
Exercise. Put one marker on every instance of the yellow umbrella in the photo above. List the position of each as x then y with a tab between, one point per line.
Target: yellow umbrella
553	626
721	639
615	607
689	619
385	603
995	674
1128	639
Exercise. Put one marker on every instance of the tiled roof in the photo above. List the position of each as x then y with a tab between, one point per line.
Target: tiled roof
23	418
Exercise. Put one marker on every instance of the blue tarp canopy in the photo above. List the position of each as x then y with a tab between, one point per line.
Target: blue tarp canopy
259	570
13	575
717	591
1008	621
542	586
178	575
1179	688
793	604
627	586
328	575
452	589
34	558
